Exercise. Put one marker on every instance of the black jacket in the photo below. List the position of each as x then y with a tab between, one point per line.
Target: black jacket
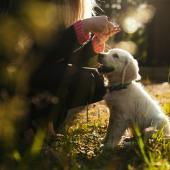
54	58
53	78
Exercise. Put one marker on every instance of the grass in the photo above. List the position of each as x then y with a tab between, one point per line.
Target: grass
84	145
79	146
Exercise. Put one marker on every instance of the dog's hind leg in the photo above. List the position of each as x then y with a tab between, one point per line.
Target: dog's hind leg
163	123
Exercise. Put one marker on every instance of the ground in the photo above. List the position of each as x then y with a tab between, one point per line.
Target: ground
161	92
81	146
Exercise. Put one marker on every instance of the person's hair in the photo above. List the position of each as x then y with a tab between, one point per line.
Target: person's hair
73	10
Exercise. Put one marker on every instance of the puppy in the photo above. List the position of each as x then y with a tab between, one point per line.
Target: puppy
128	102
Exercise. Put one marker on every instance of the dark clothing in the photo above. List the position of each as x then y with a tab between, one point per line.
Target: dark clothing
44	79
58	86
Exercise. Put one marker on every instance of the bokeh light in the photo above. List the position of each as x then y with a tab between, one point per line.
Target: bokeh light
136	18
131	25
127	45
43	21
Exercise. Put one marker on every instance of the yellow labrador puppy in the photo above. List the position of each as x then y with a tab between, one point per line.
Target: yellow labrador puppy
128	102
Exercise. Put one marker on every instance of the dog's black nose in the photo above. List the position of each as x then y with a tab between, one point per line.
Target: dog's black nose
100	57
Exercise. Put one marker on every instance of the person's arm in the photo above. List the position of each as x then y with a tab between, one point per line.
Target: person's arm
77	36
96	44
86	52
89	46
72	45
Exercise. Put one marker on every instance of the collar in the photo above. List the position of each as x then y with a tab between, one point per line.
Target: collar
116	87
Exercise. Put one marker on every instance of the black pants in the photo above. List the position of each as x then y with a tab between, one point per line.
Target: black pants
59	88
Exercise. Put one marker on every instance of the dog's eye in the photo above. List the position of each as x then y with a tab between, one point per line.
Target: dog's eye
115	55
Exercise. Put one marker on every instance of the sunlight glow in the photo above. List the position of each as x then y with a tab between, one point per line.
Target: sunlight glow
131	25
127	45
11	69
145	13
137	18
42	21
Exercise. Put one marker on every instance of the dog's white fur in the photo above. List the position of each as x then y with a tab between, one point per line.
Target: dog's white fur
132	105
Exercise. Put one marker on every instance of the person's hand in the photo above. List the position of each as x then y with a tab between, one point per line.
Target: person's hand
97	24
113	28
100	25
104	36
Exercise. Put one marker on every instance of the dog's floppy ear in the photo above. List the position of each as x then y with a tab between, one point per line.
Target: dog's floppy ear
132	71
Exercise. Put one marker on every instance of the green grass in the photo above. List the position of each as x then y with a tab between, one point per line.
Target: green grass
80	147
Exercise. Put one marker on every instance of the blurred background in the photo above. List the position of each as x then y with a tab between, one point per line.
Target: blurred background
145	33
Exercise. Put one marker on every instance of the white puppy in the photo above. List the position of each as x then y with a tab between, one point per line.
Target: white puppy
128	102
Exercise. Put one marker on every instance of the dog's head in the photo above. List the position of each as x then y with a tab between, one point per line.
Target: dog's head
123	67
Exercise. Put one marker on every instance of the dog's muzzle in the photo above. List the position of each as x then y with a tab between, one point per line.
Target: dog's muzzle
103	68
